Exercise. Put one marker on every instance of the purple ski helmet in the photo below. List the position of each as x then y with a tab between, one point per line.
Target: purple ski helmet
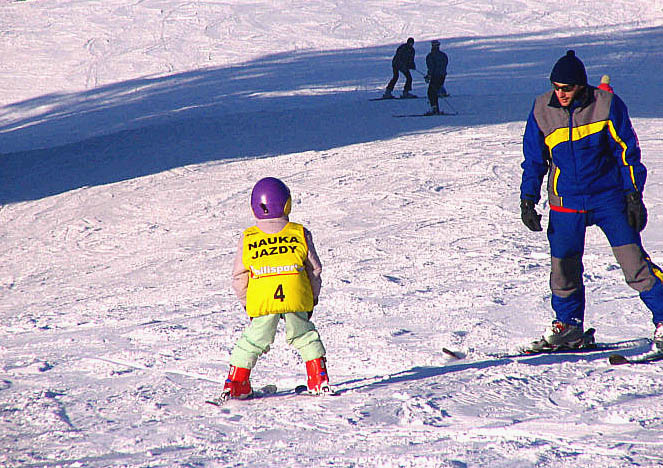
270	198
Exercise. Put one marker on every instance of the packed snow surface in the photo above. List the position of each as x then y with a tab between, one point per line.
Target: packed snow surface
131	134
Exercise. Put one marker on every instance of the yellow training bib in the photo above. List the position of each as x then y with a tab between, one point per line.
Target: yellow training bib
278	282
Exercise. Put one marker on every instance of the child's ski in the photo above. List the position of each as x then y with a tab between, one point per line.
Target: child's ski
259	393
268	390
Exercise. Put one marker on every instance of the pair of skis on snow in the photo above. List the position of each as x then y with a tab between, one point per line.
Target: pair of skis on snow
392	98
266	391
425	114
590	345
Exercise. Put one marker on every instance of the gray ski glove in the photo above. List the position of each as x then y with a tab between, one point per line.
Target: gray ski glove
530	217
636	212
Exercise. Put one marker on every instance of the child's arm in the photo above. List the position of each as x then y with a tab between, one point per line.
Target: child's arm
313	266
240	280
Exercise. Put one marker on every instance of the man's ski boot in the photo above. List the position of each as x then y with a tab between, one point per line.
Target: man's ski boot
562	336
317	379
658	337
407	95
387	94
435	110
237	384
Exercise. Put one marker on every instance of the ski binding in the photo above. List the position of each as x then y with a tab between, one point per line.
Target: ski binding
303	390
587	343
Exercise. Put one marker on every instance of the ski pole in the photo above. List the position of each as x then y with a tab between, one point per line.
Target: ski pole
446	101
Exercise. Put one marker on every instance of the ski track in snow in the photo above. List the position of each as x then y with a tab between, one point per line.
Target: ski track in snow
131	137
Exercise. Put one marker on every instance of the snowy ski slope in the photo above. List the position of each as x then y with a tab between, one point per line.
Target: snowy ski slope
131	134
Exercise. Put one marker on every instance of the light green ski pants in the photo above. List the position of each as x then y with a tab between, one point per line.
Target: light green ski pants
259	335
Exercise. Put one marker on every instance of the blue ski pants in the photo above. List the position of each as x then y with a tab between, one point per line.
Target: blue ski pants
566	234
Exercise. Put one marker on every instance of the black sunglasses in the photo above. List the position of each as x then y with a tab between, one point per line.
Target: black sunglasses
564	88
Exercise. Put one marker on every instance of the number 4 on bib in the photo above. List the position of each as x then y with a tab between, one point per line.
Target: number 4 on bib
279	294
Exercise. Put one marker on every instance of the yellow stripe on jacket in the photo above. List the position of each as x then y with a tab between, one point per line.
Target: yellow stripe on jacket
561	135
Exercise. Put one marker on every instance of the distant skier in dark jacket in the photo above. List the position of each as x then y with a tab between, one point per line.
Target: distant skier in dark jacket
402	62
437	62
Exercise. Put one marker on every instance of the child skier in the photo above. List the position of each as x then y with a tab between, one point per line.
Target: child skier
276	275
605	84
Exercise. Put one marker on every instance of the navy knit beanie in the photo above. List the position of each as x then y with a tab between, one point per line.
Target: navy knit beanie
569	70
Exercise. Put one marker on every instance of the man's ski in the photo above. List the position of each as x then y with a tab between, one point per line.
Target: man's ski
258	393
619	359
599	347
426	114
452	354
392	98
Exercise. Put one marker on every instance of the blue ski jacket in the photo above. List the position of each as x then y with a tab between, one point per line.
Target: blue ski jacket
589	151
437	62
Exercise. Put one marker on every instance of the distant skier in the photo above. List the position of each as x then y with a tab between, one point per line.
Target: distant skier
584	141
402	62
276	275
437	62
605	84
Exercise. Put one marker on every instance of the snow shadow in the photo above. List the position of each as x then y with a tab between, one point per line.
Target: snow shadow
421	373
293	102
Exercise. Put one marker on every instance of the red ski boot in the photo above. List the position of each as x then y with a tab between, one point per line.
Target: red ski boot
237	384
318	380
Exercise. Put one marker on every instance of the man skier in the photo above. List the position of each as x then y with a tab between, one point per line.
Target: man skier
437	62
402	62
583	139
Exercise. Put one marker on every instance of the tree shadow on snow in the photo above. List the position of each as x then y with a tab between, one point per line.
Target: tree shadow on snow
293	102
